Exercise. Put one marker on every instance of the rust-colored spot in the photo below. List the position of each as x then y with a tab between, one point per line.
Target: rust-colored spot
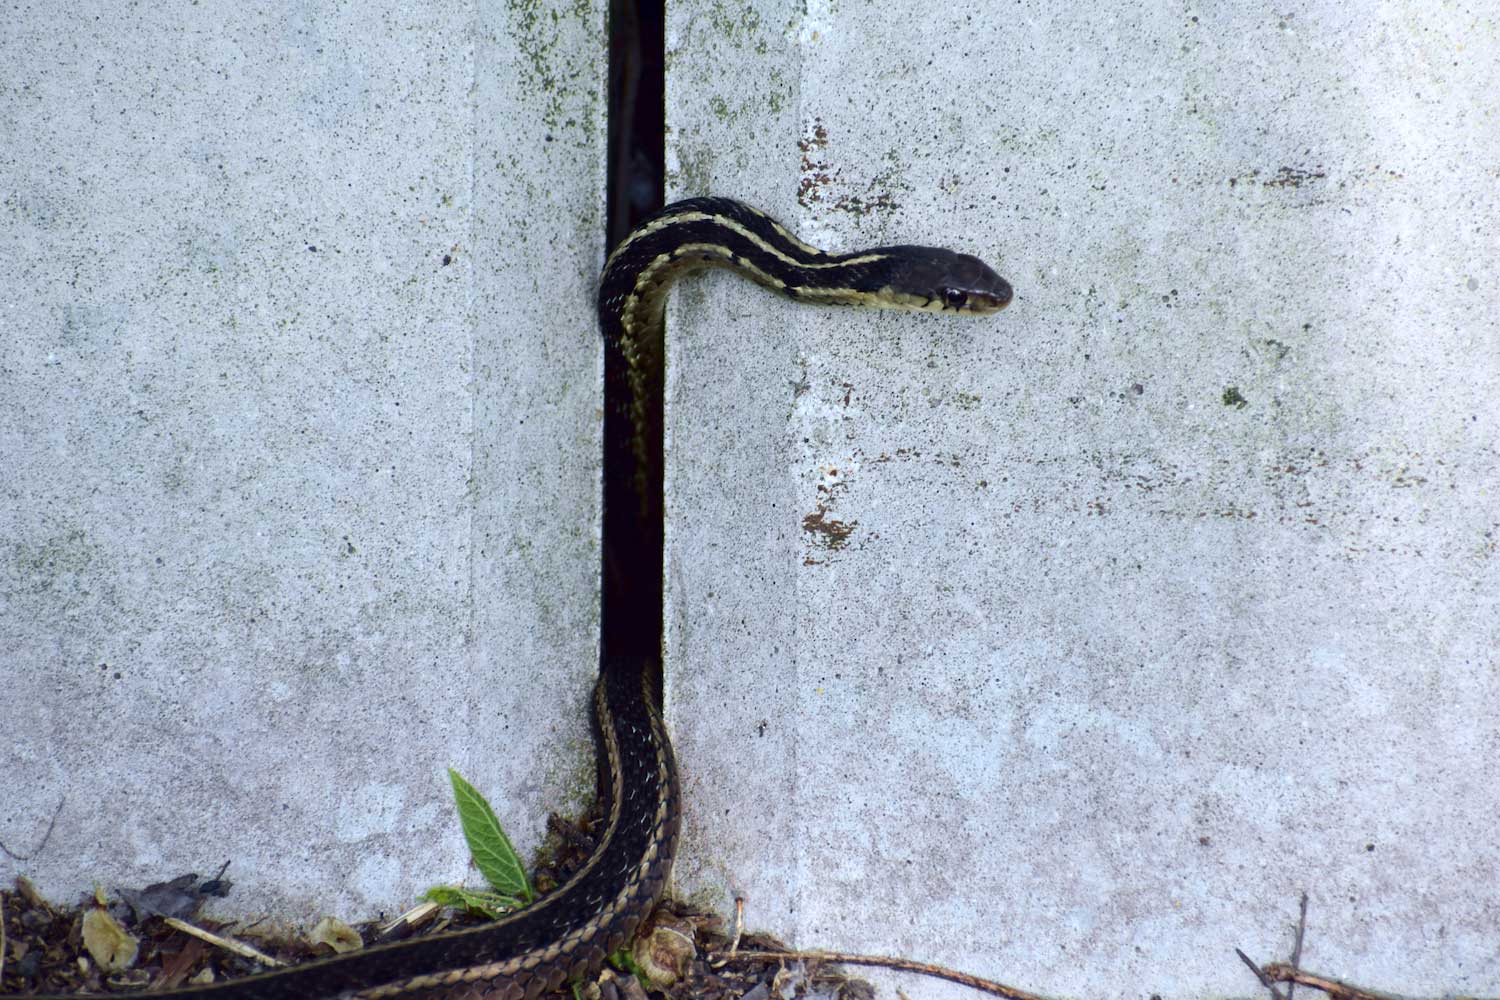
827	532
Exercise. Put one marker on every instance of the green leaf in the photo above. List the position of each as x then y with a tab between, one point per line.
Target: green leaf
488	844
486	904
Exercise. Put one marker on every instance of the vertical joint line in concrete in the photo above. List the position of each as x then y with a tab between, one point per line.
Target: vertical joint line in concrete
631	587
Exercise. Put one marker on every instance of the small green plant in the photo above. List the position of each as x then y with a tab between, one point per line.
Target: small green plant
493	856
497	862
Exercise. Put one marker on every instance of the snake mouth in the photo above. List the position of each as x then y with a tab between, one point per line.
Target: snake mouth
990	302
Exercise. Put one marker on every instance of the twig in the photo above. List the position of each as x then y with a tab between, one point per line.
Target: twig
403	925
229	944
739	925
1297	944
900	964
1260	974
1284	972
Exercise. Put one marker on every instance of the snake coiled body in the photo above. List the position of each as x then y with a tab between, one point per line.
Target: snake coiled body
569	934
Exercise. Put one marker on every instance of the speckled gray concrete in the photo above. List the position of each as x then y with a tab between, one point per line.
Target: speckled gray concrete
300	488
1068	646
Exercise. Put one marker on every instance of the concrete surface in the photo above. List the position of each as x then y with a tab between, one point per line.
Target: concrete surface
298	415
1067	647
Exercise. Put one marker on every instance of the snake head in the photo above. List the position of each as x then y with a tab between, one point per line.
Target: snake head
937	280
973	286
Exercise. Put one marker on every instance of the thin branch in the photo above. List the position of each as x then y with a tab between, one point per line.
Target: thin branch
739	924
1297	944
900	964
1285	972
238	947
1260	974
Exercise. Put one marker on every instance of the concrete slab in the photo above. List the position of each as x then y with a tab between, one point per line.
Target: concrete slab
1068	647
298	414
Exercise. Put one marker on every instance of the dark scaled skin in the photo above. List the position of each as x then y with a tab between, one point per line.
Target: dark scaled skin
960	281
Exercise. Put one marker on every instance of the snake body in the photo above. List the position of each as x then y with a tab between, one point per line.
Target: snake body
720	232
568	935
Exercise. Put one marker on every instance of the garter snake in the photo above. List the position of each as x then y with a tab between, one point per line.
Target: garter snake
568	934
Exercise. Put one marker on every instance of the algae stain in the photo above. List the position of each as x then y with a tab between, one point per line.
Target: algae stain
40	567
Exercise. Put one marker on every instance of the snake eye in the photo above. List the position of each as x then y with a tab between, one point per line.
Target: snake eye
954	298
